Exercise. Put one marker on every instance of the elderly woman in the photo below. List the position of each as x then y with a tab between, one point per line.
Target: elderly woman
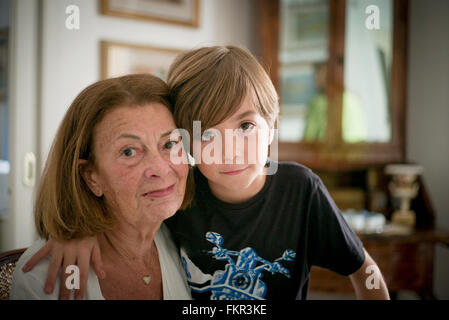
109	174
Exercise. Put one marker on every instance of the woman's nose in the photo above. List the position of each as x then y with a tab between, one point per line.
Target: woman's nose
156	166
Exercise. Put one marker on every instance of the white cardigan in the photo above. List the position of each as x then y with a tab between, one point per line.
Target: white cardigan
30	285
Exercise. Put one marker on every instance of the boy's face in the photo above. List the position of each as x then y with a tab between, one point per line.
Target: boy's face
234	154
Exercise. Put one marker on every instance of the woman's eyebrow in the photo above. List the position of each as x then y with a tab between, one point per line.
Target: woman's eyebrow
128	136
167	133
132	136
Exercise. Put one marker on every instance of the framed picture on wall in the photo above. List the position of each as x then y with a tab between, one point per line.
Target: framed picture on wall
298	86
119	59
304	25
182	12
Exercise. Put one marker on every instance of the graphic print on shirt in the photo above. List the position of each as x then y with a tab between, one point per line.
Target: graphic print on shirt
241	279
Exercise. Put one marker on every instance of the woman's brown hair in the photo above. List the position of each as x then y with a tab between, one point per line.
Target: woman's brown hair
65	207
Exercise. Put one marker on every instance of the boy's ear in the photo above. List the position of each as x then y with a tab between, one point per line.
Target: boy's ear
90	177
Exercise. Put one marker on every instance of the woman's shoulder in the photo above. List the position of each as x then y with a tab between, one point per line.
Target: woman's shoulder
39	270
30	285
173	276
166	246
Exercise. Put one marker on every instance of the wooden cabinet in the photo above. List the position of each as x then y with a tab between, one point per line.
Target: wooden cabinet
365	63
406	263
333	30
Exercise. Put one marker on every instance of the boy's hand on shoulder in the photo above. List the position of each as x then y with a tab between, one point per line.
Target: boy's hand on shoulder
79	252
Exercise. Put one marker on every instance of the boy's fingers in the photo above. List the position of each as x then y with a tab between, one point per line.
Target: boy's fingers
64	292
55	264
38	256
97	263
83	263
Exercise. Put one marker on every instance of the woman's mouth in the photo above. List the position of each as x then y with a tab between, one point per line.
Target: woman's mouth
160	193
234	172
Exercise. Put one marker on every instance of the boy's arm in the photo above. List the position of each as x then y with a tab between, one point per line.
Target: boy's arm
80	252
368	282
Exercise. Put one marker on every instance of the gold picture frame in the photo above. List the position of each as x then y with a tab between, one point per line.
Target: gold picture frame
181	12
119	58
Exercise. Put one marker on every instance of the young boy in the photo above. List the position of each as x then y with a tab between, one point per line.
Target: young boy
249	235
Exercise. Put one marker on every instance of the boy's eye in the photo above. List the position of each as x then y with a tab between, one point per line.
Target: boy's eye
208	135
129	152
246	127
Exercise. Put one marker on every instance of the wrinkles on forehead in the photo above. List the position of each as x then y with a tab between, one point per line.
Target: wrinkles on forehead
107	131
132	123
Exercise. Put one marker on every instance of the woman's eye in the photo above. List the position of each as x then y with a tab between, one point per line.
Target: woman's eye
207	136
170	144
246	127
129	152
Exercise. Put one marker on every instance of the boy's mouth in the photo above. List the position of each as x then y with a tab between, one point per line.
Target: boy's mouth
234	172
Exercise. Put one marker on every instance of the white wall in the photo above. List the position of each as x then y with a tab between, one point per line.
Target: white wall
428	113
71	57
17	229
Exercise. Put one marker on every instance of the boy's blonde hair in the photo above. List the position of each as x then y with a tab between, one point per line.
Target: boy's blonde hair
209	84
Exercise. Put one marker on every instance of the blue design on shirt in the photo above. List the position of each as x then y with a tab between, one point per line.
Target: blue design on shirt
241	279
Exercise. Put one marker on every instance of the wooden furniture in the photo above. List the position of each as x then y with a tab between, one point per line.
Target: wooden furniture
333	152
406	263
7	264
353	172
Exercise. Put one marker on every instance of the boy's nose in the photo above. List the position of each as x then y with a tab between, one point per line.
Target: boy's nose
234	150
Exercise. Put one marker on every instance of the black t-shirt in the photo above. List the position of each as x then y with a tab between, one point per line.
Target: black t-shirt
264	248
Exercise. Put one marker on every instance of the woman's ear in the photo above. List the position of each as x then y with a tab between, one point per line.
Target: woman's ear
90	177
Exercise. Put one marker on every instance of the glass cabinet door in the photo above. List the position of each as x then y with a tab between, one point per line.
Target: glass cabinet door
303	57
367	71
340	69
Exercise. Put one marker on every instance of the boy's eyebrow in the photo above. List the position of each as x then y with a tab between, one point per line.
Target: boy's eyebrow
244	114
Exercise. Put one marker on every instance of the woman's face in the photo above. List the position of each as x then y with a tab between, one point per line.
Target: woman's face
132	164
